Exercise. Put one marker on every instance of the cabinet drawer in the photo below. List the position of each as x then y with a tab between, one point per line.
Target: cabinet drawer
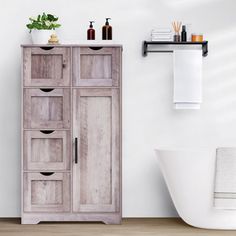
47	108
96	66
46	67
47	150
46	192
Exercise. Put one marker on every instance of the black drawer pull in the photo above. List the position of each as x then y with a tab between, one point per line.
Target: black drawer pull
46	48
47	173
96	48
47	90
47	131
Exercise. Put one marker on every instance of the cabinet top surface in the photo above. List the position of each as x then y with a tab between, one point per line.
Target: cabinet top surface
79	44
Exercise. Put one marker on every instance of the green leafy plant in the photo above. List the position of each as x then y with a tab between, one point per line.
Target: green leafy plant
43	22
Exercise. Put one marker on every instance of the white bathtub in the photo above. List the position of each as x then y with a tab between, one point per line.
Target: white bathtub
189	175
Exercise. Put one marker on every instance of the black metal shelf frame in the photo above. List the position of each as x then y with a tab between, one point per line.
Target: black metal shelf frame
147	43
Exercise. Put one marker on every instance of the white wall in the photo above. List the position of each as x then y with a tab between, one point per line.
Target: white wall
148	118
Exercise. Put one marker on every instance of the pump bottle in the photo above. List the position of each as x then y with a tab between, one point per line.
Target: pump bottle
183	34
91	31
107	31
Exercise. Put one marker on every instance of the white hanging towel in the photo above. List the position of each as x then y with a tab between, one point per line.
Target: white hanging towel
187	79
225	179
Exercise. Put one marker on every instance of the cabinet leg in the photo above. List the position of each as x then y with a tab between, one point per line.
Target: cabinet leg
29	221
112	220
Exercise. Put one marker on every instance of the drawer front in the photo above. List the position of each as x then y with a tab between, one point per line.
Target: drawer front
46	67
47	150
46	192
96	66
47	108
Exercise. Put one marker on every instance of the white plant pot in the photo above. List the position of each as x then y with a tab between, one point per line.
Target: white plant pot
41	36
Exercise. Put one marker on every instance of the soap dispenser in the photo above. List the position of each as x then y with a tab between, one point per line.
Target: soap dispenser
107	31
91	31
184	34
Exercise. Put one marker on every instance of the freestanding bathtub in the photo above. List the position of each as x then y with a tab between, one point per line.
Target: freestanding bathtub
189	175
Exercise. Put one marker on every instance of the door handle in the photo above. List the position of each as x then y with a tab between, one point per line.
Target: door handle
76	150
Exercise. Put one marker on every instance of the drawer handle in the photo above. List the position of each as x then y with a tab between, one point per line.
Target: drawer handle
47	90
96	48
47	173
47	131
46	48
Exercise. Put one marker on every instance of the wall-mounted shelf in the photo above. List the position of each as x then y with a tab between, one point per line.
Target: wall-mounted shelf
147	43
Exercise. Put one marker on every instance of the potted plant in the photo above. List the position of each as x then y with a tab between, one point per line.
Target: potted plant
42	27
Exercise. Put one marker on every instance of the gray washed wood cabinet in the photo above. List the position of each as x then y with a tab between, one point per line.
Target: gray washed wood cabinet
71	133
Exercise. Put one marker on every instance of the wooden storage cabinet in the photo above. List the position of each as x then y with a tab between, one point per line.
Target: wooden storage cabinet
71	133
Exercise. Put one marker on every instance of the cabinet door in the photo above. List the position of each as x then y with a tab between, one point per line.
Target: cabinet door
96	174
46	192
96	66
47	150
46	66
47	108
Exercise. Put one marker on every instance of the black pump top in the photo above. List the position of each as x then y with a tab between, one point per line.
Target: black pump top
107	21
183	28
91	24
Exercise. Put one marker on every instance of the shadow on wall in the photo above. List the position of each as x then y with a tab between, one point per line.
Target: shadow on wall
220	75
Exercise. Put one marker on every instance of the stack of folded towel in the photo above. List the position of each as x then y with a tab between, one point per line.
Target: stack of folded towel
161	34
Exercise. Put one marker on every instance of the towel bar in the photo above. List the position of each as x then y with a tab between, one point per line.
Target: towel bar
147	43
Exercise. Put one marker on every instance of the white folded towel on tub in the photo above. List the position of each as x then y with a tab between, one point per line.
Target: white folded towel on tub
225	179
187	78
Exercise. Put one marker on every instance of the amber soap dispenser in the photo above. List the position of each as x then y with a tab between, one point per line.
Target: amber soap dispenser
91	31
107	31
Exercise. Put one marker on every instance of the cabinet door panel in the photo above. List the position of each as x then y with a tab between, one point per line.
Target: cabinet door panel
47	109
96	125
45	150
46	67
96	67
44	193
